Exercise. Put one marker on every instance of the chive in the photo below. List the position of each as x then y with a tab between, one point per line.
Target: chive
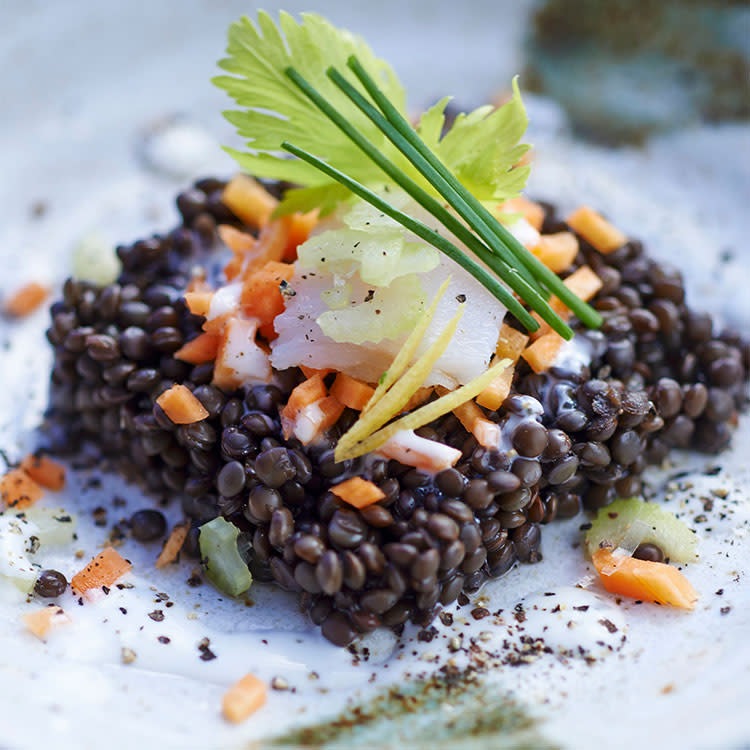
404	145
423	231
585	313
510	275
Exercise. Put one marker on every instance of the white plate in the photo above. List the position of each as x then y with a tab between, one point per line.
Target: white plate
85	82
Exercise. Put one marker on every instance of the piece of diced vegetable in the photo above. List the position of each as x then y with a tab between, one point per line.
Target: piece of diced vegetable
493	396
18	489
531	211
307	392
25	300
41	621
486	432
54	525
240	358
247	199
199	303
644	580
237	241
173	545
45	471
596	230
225	567
308	372
244	698
203	348
181	406
273	241
104	570
662	528
584	283
351	392
541	355
95	260
358	492
510	343
17	537
557	251
298	227
261	294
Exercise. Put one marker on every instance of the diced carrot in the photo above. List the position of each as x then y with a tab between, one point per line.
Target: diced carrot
104	570
202	348
351	392
308	372
181	406
531	211
298	227
358	492
584	283
234	267
44	471
420	396
216	325
41	621
493	396
272	242
198	303
247	199
238	242
173	545
244	698
596	230
197	282
557	251
486	432
26	299
644	580
261	294
510	343
19	490
307	392
542	353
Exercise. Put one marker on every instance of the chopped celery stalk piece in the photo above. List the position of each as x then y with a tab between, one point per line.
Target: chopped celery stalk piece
224	565
620	521
56	526
18	538
95	260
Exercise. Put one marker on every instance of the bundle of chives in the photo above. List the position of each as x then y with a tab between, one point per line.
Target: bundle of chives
518	268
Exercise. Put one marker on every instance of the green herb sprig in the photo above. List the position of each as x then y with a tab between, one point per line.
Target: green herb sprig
490	242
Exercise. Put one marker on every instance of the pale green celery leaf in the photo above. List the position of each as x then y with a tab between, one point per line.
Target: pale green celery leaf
367	218
323	197
275	110
390	313
482	149
431	123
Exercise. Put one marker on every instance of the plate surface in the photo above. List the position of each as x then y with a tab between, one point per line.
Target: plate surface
112	113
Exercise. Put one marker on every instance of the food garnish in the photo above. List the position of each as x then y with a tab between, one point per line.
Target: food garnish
103	570
655	525
19	490
643	579
225	567
276	69
45	471
173	545
41	621
25	300
244	698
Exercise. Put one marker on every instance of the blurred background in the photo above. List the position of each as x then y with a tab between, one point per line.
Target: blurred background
639	107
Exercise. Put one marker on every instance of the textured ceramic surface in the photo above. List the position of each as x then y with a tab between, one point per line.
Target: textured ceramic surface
108	113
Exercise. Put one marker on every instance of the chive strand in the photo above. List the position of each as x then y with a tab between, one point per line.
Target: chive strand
506	271
414	155
585	313
422	231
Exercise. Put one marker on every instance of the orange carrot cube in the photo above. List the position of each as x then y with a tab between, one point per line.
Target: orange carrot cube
19	490
181	406
44	471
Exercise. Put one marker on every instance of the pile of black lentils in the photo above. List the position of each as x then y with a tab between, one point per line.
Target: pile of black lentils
660	377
